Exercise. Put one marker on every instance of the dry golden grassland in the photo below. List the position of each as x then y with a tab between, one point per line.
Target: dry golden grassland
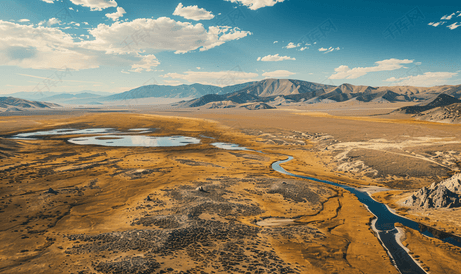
135	209
433	255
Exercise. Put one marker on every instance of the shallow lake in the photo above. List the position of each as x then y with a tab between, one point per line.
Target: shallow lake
112	137
135	141
65	131
229	146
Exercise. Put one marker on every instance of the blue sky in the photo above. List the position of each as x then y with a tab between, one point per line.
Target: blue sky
116	45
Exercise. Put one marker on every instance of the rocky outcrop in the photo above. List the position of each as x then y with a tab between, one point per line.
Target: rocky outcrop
446	194
256	106
440	101
445	114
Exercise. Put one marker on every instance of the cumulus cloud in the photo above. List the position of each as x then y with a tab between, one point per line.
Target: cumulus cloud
275	58
49	1
24	20
95	4
426	79
218	78
193	13
160	34
53	21
330	49
344	72
292	45
256	4
278	74
146	64
301	47
40	47
130	44
50	22
116	15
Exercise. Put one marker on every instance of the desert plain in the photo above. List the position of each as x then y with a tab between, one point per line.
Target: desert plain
70	208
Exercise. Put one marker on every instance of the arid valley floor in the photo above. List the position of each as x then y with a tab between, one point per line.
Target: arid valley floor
68	208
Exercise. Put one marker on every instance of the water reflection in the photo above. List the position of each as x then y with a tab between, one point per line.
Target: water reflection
135	141
60	131
228	146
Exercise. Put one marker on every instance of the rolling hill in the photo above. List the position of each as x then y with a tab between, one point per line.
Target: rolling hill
8	104
439	101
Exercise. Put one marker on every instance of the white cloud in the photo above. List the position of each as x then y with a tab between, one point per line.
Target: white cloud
454	26
330	49
278	74
95	4
275	58
24	20
426	79
448	16
292	45
49	47
116	15
219	78
256	4
436	24
146	34
40	47
275	42
146	64
50	22
303	48
193	12
49	1
344	72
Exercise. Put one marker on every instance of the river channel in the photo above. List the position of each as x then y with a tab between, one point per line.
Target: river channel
384	224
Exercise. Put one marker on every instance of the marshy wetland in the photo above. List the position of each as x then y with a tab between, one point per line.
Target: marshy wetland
192	208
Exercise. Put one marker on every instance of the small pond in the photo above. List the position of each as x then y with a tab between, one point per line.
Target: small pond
228	146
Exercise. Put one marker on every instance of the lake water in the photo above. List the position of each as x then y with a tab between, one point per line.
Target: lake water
135	141
114	138
66	131
228	146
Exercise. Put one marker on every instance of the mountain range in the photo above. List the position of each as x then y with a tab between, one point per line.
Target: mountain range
272	92
276	92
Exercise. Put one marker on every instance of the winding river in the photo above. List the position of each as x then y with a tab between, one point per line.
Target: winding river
384	224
